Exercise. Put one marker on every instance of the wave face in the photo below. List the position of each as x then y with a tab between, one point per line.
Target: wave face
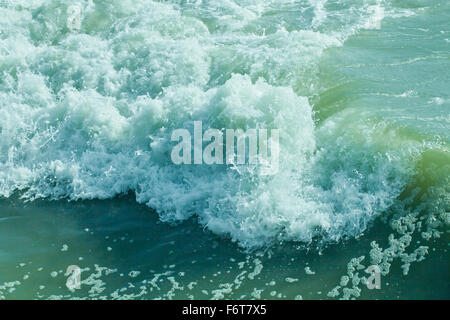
88	114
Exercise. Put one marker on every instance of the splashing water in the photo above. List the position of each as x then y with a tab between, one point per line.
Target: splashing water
88	113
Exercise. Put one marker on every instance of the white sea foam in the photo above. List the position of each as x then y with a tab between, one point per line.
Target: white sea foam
89	114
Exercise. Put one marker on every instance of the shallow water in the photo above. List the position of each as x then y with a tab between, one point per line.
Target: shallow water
358	90
126	253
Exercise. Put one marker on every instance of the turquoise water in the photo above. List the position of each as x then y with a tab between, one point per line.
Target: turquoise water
358	89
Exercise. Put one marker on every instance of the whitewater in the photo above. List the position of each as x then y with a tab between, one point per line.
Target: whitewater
90	96
88	114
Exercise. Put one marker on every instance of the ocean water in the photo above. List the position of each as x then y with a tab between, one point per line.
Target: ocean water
89	98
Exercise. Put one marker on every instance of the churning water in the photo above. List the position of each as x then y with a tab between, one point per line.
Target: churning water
359	90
